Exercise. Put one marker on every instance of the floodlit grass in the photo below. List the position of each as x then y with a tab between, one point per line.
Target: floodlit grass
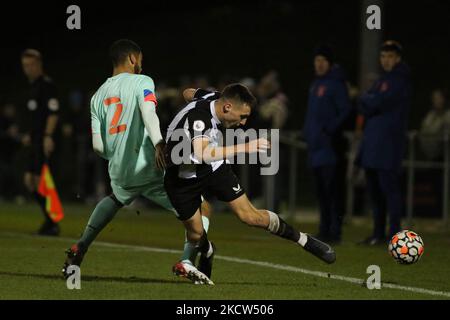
30	265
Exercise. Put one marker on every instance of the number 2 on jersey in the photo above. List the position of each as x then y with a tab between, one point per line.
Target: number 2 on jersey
114	127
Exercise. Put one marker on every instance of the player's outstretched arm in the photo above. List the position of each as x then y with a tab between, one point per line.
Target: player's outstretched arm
204	152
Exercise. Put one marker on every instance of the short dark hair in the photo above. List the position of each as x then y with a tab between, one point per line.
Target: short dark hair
325	50
239	92
32	53
121	49
393	46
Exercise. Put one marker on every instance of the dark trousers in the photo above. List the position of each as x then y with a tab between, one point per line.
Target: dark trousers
384	188
330	215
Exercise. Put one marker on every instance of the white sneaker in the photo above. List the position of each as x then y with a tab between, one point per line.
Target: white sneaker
187	270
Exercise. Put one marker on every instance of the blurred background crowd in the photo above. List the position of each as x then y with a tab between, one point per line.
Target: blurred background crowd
266	45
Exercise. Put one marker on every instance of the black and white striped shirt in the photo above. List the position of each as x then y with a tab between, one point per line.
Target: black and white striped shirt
196	119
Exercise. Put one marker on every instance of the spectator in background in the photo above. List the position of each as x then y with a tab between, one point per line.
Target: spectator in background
433	125
76	137
328	108
270	112
385	108
10	140
272	108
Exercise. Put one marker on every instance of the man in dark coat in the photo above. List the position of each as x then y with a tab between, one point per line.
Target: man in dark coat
385	107
328	108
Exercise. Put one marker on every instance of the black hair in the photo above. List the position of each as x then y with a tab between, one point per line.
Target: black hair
325	50
239	92
391	45
121	49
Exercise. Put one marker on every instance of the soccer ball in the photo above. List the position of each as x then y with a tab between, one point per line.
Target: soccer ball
406	247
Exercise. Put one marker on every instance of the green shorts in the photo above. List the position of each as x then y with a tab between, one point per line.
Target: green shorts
153	191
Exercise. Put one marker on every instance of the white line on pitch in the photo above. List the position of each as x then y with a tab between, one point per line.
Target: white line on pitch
251	262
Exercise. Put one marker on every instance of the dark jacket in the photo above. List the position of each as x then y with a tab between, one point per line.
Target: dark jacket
385	107
328	108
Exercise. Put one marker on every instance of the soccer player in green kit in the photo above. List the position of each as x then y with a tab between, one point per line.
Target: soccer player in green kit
126	132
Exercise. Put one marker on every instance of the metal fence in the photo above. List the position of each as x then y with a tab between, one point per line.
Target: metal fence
412	162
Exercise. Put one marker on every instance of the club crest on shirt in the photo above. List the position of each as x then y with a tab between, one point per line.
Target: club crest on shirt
321	90
199	125
53	104
384	86
32	105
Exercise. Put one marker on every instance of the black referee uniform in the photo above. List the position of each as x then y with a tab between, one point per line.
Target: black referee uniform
186	183
41	102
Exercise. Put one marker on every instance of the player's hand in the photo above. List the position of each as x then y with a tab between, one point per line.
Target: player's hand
49	145
160	159
258	145
188	94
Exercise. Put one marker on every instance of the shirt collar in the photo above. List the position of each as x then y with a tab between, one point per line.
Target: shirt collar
213	111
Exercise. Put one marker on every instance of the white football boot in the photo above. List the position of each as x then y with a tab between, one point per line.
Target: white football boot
187	270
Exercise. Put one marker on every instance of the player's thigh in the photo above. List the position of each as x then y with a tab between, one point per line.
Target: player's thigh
124	195
184	195
224	184
156	192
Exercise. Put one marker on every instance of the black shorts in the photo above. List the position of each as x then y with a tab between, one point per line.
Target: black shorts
186	194
36	159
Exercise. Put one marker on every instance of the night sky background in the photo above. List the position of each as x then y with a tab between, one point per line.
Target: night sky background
217	38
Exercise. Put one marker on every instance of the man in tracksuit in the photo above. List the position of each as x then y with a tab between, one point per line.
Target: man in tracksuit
385	108
328	108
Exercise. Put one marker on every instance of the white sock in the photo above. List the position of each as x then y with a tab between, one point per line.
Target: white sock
205	221
303	239
210	250
187	261
274	222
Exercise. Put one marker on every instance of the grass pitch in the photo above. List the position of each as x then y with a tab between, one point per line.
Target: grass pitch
135	253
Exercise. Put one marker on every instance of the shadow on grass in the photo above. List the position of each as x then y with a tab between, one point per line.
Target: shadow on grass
133	279
130	279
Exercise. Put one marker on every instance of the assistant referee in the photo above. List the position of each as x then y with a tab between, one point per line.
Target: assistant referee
42	107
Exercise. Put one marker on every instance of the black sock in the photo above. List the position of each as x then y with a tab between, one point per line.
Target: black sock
287	231
42	203
203	244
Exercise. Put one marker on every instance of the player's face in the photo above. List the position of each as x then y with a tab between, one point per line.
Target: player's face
321	65
136	61
236	115
32	67
389	59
